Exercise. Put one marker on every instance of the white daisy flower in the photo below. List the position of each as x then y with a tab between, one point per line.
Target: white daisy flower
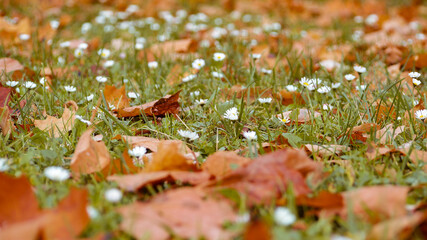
4	166
65	44
265	100
255	56
108	63
284	119
188	134
42	80
336	85
250	135
421	114
133	95
56	173
371	19
359	69
243	218
414	74
198	63
101	79
201	101
24	37
324	89
78	52
137	151
291	88
416	82
283	216
113	195
217	75
349	77
139	46
327	107
83	120
195	93
232	114
415	102
92	212
306	82
153	64
69	88
30	85
83	45
189	77
89	98
54	24
266	71
104	53
11	83
217	57
361	88
85	27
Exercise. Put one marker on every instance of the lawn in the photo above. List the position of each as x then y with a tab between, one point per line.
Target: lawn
202	119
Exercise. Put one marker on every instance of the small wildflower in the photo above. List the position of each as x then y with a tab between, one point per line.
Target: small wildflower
335	85
201	101
83	120
188	134
78	52
283	216
30	85
24	37
361	88
198	63
284	119
265	100
421	114
349	77
139	46
308	83
195	93
108	63
416	82
359	69
414	74
65	44
243	218
255	55
189	77
153	64
12	83
133	95
291	88
56	173
327	107
415	102
101	79
329	64
92	212
217	57
83	45
104	53
250	135
232	114
113	195
137	151
266	71
4	166
217	74
89	98
70	88
324	89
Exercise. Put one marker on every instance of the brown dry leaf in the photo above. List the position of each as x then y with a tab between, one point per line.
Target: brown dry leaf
5	96
374	151
326	150
222	163
169	157
397	228
6	124
117	166
116	97
21	218
57	126
166	105
376	203
257	230
188	213
133	182
267	177
361	132
175	46
177	73
417	61
90	156
290	97
388	134
323	200
304	115
8	65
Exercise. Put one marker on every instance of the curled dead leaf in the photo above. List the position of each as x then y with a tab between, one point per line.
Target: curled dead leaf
57	126
222	163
